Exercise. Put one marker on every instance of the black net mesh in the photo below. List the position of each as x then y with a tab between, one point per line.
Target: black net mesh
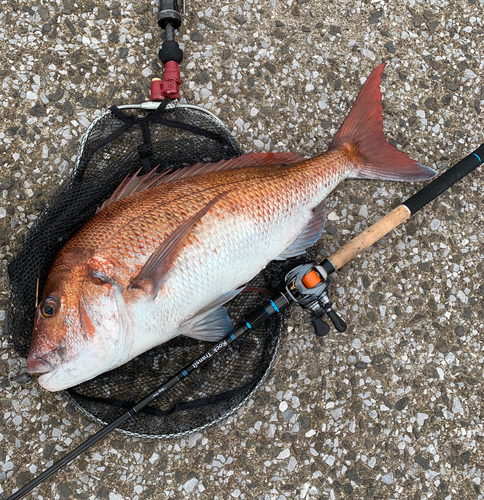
116	145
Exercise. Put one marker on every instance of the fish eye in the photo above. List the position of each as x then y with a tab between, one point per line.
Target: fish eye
48	308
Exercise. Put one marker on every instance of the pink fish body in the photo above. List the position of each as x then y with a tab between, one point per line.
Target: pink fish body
164	254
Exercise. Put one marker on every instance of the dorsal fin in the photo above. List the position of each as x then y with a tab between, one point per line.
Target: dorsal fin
134	184
250	160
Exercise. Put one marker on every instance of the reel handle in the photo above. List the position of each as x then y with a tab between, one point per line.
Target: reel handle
321	329
337	321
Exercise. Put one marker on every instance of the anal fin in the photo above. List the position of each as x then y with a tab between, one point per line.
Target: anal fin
310	234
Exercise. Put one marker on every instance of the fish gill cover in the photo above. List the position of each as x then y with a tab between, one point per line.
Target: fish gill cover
116	145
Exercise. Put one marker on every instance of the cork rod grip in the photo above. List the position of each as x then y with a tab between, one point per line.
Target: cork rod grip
365	239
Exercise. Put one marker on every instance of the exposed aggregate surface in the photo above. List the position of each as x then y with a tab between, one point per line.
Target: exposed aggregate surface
390	409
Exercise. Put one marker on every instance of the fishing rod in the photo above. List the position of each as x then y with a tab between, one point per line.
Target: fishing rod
306	286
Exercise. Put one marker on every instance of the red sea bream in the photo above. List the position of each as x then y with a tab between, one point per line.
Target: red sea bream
162	256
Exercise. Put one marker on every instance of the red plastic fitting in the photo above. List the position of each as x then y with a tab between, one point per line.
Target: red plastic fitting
156	94
170	86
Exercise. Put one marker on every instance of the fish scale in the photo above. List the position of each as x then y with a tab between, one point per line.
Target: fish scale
268	220
165	252
154	223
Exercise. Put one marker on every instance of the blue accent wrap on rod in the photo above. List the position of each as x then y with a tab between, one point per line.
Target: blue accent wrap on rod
248	325
232	336
274	306
326	266
477	157
184	373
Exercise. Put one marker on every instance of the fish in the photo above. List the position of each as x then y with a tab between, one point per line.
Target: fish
165	252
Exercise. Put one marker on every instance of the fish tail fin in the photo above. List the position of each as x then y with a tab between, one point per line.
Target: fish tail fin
362	140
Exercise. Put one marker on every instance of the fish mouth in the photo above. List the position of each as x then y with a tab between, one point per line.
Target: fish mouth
42	367
39	365
46	362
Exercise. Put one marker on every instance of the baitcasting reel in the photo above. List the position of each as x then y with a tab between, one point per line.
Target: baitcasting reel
307	286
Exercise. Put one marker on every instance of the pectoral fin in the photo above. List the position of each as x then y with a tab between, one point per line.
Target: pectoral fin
211	327
212	323
310	234
152	275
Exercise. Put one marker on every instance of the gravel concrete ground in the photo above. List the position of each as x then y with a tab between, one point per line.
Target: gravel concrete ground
390	409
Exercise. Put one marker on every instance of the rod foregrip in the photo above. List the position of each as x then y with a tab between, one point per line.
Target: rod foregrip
365	239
